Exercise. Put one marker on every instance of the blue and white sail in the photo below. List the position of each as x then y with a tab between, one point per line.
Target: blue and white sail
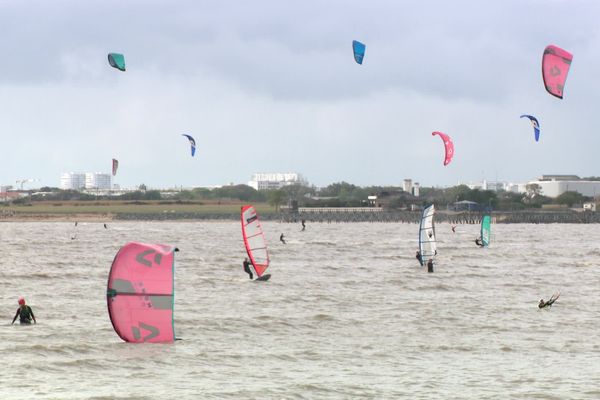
427	243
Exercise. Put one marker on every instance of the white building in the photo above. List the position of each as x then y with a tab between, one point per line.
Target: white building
555	185
416	189
97	180
72	181
407	185
267	181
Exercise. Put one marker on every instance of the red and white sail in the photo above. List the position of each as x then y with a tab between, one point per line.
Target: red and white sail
254	240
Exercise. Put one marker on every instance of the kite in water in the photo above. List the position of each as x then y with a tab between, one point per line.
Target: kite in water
117	61
140	293
359	51
555	67
115	166
536	125
192	143
448	146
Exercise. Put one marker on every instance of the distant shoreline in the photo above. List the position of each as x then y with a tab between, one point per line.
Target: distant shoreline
229	214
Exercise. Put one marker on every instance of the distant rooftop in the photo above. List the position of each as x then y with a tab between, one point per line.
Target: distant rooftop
559	178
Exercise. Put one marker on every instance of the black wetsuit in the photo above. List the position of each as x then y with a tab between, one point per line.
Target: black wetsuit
281	238
418	257
247	269
303	225
25	315
478	242
430	266
548	303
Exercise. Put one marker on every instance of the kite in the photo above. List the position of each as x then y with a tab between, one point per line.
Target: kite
536	125
359	51
192	143
448	146
555	67
117	61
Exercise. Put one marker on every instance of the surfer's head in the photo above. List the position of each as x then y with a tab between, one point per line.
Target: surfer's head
21	301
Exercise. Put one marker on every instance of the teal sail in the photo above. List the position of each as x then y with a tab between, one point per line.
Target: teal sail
427	243
486	230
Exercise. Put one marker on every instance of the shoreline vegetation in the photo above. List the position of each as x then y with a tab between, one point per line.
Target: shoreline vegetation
112	210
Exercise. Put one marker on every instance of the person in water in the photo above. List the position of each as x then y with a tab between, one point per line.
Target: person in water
479	242
247	269
430	265
25	313
303	224
282	239
418	256
548	303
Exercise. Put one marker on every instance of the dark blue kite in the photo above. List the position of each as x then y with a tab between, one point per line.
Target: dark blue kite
536	125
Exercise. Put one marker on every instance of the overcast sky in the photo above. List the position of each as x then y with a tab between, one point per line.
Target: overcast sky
272	86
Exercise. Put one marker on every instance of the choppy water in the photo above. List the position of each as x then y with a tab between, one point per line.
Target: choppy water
346	314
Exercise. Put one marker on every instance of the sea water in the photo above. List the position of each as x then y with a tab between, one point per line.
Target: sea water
348	313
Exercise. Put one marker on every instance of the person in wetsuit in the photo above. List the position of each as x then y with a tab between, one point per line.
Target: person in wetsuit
303	224
25	313
430	265
418	257
247	269
548	303
479	242
281	239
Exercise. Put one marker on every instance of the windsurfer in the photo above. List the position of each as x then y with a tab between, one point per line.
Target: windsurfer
479	242
430	265
453	228
303	224
247	269
282	239
25	313
549	303
418	256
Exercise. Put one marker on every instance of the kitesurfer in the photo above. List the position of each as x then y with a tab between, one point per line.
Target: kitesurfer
282	239
548	303
25	313
303	224
430	265
247	269
479	242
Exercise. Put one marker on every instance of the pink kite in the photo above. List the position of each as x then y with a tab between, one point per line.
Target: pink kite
448	146
140	293
555	67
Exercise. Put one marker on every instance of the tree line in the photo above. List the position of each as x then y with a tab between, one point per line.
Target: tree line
340	194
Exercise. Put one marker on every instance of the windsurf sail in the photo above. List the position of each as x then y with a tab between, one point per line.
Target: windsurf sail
427	244
254	240
486	230
140	293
